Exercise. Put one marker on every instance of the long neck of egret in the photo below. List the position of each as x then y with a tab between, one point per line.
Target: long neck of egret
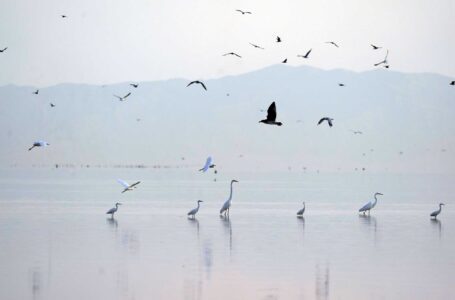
230	194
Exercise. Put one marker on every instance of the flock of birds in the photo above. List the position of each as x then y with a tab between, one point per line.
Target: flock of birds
269	120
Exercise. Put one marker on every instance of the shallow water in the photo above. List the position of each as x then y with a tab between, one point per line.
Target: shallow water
57	243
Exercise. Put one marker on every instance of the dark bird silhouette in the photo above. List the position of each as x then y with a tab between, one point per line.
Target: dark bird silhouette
38	144
52	104
329	121
2	50
306	55
243	12
452	83
198	82
36	92
256	46
271	116
384	61
63	16
375	47
124	97
278	39
232	53
340	84
333	43
134	85
285	61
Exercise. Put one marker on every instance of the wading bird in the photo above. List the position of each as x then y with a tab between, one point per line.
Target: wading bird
124	97
127	187
333	43
271	116
113	210
192	213
232	53
243	12
329	121
208	164
300	212
256	46
367	207
38	144
227	205
197	82
306	55
2	50
437	212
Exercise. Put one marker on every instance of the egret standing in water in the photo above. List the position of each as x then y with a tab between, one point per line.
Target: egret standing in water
113	210
38	144
370	205
300	212
227	205
437	212
192	213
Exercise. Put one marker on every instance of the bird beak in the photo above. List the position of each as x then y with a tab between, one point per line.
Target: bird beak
234	180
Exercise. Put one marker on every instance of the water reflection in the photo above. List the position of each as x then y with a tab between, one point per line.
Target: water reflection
35	282
208	258
370	222
322	282
112	222
195	223
228	229
437	224
301	220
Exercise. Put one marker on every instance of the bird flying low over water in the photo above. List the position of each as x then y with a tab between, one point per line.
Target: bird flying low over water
375	47
329	121
39	144
2	50
232	53
198	82
192	213
437	212
370	205
208	164
134	85
124	97
256	46
306	55
243	12
113	210
278	39
127	187
333	43
271	116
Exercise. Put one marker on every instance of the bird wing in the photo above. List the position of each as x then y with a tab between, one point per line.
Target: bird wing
321	120
236	55
330	122
308	53
387	54
300	212
365	207
224	207
120	98
192	212
271	112
227	54
134	184
127	95
110	211
124	183
239	11
208	162
203	85
190	83
435	213
41	143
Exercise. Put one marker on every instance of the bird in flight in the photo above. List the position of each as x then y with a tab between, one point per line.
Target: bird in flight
375	47
452	83
243	12
38	144
333	43
256	46
306	55
124	97
36	92
271	116
208	164
356	132
134	85
232	53
329	121
63	16
127	187
384	61
278	39
2	50
52	104
340	84
198	82
285	61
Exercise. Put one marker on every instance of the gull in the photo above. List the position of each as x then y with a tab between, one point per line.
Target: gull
208	164
306	55
52	104
375	47
256	46
232	53
63	16
198	82
278	39
127	187
329	120
124	97
340	84
243	12
285	61
135	85
384	61
192	213
271	116
333	43
452	83
39	144
2	50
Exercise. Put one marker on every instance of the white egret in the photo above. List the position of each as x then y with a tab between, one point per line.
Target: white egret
300	212
192	213
227	205
437	212
208	164
127	187
113	210
39	144
370	205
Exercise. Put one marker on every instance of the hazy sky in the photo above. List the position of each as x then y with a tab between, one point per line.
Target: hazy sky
112	41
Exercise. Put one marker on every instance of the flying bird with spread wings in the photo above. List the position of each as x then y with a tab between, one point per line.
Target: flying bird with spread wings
375	47
124	97
126	186
333	43
271	116
232	53
208	165
134	85
329	121
197	82
306	55
256	46
243	12
3	50
384	61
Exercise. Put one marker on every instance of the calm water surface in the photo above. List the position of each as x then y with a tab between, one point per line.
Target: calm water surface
57	243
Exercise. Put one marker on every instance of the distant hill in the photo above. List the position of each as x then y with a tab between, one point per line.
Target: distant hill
163	121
